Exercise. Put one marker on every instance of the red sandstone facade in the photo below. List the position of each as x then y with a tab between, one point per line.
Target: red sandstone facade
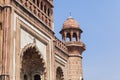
28	48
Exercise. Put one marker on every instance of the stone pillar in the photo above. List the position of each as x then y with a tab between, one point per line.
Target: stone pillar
64	37
71	36
78	36
0	39
6	40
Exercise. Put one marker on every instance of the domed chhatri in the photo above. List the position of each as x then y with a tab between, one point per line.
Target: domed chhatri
71	30
70	23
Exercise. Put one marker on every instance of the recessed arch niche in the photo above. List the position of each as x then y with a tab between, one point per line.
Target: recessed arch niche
32	62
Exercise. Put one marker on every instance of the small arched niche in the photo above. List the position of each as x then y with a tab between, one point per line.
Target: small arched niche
37	77
25	77
59	74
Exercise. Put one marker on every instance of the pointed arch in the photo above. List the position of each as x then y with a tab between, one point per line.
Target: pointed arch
32	61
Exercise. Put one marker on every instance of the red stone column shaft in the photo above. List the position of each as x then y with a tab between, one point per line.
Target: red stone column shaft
71	36
78	36
6	41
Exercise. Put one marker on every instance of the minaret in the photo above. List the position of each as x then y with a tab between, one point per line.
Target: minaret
71	34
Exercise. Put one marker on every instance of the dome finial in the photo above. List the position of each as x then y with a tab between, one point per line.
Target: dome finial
70	15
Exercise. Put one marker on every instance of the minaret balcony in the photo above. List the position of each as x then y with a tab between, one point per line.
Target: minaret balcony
76	44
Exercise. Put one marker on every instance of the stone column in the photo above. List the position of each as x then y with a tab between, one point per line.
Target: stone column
64	36
0	39
78	36
6	40
71	36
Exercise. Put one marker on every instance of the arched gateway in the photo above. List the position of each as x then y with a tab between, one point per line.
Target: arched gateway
32	63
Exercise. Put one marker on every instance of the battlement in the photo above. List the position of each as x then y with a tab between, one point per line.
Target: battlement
40	9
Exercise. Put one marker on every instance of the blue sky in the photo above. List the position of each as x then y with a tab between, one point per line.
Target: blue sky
100	22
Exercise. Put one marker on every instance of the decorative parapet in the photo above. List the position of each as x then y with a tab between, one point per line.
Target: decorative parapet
60	44
42	12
